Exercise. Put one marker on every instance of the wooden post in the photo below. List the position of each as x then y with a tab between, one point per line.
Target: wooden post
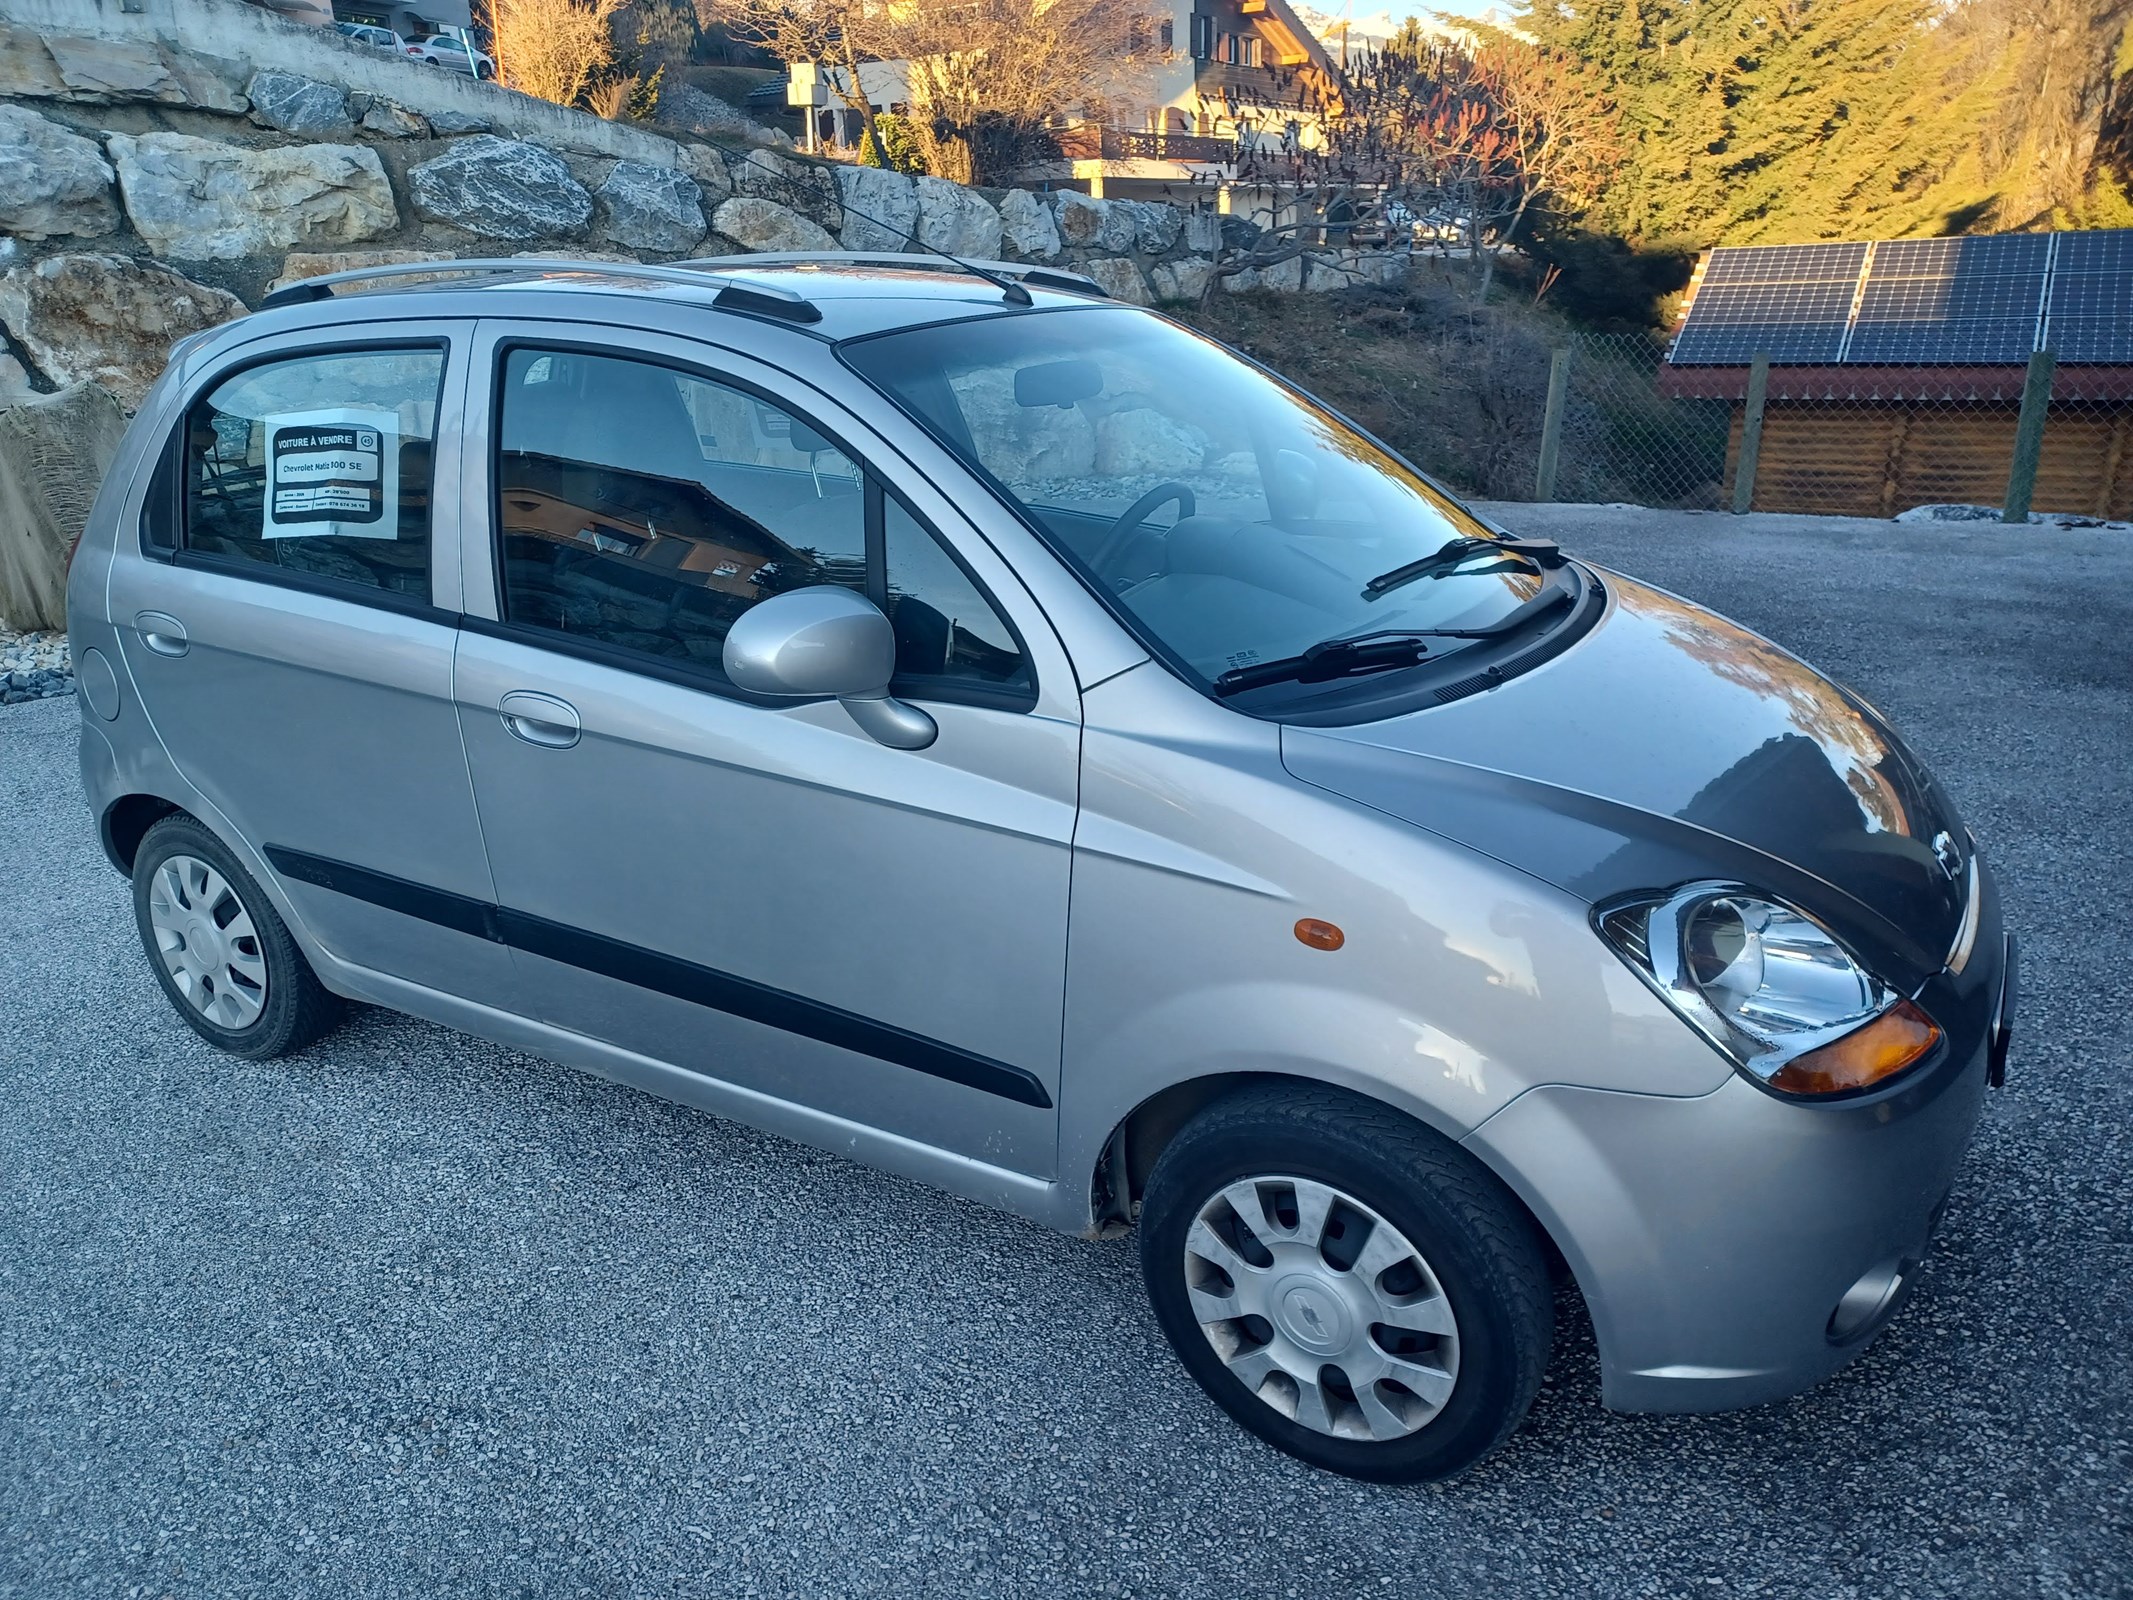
1552	424
2029	437
1751	435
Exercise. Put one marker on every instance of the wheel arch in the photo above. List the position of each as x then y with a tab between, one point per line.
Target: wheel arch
125	823
1140	1137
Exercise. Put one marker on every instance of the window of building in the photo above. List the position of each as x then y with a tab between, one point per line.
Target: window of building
318	465
643	508
1202	36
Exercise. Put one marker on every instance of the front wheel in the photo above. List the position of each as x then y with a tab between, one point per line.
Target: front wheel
1349	1286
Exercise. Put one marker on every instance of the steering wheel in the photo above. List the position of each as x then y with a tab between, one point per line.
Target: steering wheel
1121	532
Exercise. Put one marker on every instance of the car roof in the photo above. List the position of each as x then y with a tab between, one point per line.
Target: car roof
828	295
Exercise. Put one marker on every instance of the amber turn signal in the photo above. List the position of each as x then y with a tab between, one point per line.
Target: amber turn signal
1319	935
1863	1057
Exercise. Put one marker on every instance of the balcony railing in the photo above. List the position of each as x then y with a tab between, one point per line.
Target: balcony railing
1086	143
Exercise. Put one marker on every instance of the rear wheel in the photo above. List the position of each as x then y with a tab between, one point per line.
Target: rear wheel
218	948
1347	1285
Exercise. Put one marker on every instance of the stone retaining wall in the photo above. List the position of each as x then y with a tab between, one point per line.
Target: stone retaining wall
165	162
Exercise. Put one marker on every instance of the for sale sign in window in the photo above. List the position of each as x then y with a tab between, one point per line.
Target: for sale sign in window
333	472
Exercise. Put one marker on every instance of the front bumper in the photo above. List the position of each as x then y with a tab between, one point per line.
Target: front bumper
1738	1247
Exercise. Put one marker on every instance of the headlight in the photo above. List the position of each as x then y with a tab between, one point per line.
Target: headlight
1771	987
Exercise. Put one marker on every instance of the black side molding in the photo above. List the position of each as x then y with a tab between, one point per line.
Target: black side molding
668	975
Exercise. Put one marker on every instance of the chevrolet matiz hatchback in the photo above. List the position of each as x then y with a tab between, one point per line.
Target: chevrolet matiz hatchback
930	711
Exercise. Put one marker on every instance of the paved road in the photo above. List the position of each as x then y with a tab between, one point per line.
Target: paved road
417	1315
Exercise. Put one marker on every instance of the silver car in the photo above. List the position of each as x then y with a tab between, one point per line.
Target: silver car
930	711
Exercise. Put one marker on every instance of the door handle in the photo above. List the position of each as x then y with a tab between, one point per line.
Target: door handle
540	718
162	633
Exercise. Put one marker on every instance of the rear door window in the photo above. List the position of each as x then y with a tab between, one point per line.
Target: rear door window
319	467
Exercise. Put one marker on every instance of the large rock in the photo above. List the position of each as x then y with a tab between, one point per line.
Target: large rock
657	209
1025	444
953	219
54	451
501	189
1093	224
388	119
27	70
1184	279
1203	230
880	208
52	181
1155	226
302	106
1121	279
1145	441
756	224
803	186
448	123
1285	275
202	200
113	69
106	319
706	163
1028	226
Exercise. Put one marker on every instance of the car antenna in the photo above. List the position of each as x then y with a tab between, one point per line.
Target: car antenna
1010	291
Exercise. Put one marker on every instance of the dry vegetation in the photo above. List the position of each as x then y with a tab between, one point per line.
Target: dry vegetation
1459	388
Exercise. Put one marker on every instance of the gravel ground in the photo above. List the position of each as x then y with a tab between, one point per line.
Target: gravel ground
33	666
414	1314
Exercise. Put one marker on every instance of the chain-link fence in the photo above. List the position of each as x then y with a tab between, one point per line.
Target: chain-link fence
1850	440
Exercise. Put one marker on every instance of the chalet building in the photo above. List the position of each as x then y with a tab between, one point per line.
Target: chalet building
1243	75
1896	368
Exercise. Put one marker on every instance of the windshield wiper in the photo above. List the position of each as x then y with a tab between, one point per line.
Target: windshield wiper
1538	554
1382	651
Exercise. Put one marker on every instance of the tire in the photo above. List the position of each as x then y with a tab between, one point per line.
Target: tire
222	954
1428	1236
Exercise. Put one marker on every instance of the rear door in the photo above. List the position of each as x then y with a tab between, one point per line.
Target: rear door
758	891
290	624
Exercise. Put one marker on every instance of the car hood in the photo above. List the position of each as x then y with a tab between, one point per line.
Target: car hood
1670	745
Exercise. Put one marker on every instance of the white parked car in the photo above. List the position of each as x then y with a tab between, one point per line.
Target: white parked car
377	38
446	50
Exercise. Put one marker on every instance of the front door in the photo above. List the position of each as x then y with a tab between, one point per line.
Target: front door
754	891
290	620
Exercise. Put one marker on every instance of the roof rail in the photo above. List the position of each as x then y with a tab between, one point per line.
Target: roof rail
1027	272
761	299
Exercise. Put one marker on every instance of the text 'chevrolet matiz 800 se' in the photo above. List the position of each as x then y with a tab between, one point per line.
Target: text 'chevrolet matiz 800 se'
925	709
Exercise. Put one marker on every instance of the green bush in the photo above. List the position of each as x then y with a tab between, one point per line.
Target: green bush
899	138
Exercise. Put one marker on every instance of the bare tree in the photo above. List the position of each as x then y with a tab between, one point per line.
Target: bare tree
988	77
838	34
1432	134
552	49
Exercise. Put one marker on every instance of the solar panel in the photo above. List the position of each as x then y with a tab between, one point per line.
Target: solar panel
1972	301
1789	302
1784	263
2090	315
1965	301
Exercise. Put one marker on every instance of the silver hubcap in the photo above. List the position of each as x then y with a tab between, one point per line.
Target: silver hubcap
207	942
1321	1308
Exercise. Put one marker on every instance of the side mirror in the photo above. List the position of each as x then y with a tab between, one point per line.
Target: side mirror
826	640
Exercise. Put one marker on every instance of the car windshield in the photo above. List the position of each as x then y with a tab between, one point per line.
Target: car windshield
1235	520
